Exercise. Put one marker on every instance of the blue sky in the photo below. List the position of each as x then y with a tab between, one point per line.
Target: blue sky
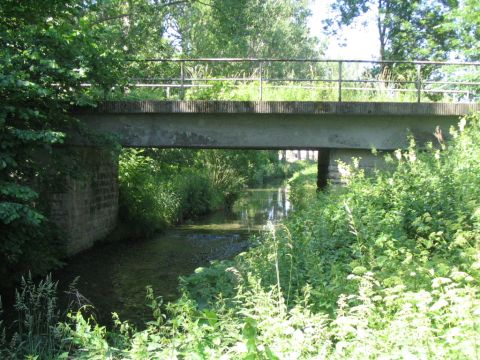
361	41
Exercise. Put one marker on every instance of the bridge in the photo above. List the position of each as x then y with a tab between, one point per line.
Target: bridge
340	108
351	104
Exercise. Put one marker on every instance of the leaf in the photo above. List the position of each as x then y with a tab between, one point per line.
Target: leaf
211	317
16	191
10	212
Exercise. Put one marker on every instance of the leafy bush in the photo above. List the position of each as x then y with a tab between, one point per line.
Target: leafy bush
195	192
147	201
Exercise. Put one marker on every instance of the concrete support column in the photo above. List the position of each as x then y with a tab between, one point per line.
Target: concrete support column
323	161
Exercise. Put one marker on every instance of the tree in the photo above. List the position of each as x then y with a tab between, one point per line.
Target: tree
407	30
245	28
464	22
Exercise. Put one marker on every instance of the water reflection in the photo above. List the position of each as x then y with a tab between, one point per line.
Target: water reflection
114	276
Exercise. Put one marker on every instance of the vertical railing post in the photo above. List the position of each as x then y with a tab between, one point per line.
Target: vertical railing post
340	69
182	81
419	82
261	80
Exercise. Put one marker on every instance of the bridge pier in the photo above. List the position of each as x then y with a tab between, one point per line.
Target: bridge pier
323	162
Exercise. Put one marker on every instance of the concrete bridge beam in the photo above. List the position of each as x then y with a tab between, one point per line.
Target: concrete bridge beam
272	125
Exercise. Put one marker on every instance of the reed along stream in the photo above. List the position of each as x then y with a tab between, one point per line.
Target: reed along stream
113	276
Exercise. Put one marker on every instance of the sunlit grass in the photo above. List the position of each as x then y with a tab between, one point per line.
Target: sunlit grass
285	91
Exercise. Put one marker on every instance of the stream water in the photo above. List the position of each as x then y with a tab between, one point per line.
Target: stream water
113	276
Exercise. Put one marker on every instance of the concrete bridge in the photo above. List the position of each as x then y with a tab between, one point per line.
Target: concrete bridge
339	130
272	125
88	210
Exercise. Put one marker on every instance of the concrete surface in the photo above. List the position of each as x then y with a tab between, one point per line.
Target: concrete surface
272	125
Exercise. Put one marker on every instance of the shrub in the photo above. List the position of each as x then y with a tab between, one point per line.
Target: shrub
146	200
195	192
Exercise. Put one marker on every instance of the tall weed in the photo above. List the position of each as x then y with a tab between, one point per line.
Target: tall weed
35	332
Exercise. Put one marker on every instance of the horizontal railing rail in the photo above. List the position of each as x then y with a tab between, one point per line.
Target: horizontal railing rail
436	81
414	62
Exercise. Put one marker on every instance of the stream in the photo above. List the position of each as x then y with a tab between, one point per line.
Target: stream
113	276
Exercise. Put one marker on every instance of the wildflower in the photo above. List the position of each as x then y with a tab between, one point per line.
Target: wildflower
344	171
356	162
398	154
412	156
461	124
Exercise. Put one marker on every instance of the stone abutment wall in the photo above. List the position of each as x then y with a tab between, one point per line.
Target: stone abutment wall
86	209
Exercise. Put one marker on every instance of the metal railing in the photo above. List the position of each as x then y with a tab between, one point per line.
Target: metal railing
419	77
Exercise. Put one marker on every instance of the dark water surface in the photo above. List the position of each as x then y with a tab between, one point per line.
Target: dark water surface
113	276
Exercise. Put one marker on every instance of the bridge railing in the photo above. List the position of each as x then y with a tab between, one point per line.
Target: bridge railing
304	79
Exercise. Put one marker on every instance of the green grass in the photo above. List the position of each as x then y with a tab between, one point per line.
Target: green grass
284	92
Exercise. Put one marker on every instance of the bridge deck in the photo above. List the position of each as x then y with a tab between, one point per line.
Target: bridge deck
272	125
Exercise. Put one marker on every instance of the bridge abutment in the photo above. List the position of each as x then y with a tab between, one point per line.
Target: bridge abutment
86	209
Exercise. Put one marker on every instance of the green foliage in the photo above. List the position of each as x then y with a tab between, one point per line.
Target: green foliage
406	29
161	187
303	185
318	91
47	50
146	200
465	23
196	193
245	28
